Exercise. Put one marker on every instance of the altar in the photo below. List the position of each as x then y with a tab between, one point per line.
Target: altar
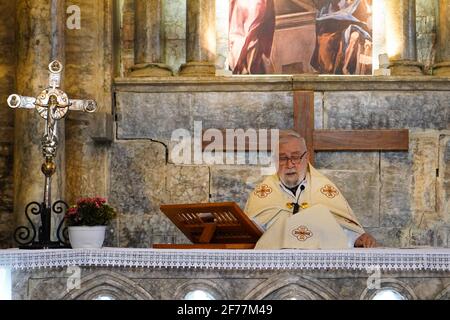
147	274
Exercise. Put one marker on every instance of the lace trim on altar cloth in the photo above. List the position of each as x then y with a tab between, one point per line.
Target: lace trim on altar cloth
352	259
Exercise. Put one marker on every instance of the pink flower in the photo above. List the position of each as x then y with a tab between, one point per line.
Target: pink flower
90	210
72	211
100	200
82	200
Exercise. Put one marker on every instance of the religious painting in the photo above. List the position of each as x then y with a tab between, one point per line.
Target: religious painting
300	36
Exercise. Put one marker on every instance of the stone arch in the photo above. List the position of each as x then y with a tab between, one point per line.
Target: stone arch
444	294
292	287
393	284
209	286
110	284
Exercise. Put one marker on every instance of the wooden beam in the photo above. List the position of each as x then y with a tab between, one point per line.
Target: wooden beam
304	118
254	146
361	140
208	232
339	140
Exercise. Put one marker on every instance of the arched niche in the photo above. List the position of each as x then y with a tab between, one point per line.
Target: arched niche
109	284
285	287
386	285
212	288
199	295
444	294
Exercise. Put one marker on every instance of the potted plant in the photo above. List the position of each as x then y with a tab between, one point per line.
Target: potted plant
87	221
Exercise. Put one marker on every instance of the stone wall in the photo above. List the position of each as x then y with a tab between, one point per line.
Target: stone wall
7	86
405	200
175	284
400	197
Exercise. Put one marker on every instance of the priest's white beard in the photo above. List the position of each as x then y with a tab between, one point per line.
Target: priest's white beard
291	184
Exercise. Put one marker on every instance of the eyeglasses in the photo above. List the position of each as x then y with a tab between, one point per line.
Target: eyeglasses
294	159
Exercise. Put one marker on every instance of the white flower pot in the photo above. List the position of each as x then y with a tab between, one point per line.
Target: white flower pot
87	237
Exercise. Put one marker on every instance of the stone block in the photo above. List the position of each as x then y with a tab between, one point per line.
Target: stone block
424	150
234	183
138	174
357	176
429	288
318	110
156	115
179	148
360	161
431	236
187	184
136	231
396	189
244	110
152	116
389	237
49	289
102	127
143	230
386	110
443	181
362	191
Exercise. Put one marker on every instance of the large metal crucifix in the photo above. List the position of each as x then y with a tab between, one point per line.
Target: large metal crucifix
52	105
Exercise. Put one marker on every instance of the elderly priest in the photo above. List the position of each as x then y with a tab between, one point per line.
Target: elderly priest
300	208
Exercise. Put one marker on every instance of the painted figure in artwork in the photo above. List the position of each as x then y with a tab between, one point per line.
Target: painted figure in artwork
251	31
343	37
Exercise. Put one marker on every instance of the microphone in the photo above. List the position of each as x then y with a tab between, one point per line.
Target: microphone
296	205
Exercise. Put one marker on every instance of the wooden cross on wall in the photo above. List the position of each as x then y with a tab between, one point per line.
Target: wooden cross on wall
336	140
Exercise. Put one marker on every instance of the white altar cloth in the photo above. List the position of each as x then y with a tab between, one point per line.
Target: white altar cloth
353	259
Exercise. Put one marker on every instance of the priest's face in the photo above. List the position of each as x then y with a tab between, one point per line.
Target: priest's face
292	161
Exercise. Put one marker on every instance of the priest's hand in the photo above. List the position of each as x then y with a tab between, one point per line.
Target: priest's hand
365	241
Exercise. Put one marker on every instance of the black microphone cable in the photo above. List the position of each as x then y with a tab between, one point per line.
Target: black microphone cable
296	205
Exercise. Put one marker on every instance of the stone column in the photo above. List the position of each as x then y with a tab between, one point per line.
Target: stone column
148	48
87	157
88	136
7	86
401	24
442	66
34	46
200	38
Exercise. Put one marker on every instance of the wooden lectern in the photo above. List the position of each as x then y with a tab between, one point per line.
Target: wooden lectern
212	226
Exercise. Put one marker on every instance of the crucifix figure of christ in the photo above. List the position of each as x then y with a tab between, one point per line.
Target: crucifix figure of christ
52	105
331	140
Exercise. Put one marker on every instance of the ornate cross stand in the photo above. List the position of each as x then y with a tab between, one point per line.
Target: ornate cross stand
52	105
